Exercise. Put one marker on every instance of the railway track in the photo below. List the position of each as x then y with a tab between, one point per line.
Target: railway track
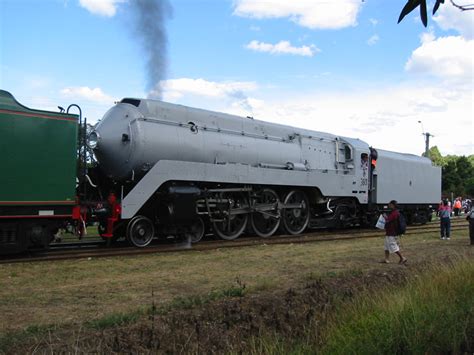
96	249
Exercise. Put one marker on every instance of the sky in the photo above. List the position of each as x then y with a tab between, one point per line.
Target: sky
339	66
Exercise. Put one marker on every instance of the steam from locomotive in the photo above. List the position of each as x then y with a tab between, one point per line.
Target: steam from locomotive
149	20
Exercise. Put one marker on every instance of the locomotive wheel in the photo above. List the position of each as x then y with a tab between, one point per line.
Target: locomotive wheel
343	214
295	220
140	231
196	230
233	225
265	223
422	217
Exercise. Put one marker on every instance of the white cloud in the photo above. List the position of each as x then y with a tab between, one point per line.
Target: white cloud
449	58
211	95
373	21
373	40
176	88
449	17
314	14
106	8
204	93
282	47
85	93
386	118
426	37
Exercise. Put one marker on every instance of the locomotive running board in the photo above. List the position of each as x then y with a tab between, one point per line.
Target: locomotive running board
171	170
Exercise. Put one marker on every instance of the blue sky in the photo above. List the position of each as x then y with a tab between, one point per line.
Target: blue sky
341	66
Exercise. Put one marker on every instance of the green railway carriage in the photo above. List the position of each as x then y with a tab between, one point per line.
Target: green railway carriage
38	152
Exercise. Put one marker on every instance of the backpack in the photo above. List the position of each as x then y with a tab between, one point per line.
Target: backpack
402	225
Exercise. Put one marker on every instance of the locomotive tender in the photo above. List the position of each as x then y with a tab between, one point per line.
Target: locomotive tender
37	173
173	170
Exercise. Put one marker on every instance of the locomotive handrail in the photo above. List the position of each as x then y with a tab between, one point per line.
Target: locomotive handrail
228	131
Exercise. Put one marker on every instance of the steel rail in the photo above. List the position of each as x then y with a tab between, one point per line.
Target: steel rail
124	250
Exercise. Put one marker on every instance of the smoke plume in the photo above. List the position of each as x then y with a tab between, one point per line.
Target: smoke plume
149	20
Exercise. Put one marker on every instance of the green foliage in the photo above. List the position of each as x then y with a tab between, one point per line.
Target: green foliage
416	319
450	178
457	173
470	186
436	156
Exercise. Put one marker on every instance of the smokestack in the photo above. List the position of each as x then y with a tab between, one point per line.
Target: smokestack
149	18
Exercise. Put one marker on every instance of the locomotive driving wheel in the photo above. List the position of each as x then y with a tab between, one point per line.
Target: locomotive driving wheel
296	214
233	217
196	230
266	219
140	231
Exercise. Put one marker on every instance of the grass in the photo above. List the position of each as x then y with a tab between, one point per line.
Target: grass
114	319
433	314
238	289
81	291
34	331
191	301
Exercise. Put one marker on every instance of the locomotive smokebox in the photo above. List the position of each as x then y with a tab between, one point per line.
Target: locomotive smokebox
113	142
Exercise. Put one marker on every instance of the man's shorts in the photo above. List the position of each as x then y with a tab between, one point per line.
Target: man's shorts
391	244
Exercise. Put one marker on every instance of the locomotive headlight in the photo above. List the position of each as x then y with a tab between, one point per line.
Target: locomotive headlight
93	139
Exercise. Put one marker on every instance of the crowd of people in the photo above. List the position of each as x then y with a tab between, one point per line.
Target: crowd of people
459	205
446	211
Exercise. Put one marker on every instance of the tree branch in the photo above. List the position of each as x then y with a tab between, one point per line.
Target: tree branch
463	7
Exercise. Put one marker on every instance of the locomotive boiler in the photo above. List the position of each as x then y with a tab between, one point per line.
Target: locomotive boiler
179	170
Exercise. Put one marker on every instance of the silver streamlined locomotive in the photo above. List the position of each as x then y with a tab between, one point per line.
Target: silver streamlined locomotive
181	168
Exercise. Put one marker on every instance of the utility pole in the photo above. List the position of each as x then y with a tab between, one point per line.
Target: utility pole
427	143
427	140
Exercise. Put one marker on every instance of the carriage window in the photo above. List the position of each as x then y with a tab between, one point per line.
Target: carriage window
364	160
133	102
348	152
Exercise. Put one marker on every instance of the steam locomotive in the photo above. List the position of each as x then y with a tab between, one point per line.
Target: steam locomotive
163	169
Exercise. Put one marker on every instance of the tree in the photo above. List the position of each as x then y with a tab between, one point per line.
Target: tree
413	4
465	171
457	173
458	176
450	179
470	187
436	156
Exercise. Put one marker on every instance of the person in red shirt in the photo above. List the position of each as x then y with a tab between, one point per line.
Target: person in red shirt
391	243
457	206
